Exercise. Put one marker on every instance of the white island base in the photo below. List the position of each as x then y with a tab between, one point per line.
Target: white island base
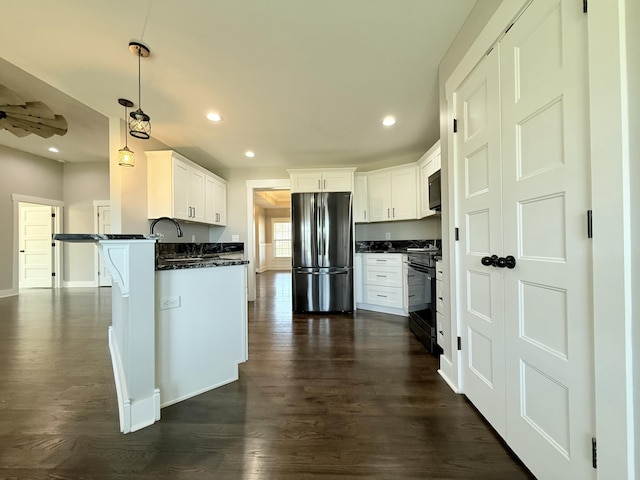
201	329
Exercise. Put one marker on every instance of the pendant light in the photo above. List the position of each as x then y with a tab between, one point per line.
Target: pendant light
139	122
126	157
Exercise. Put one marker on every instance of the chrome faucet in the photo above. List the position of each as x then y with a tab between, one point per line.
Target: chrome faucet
173	220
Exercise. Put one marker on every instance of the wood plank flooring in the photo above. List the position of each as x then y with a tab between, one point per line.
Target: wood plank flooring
322	397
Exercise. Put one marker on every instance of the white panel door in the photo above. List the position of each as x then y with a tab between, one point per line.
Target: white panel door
35	246
104	226
478	178
545	147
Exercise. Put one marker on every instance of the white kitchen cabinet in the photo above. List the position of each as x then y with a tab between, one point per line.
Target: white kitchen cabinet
381	283
323	180
357	278
428	164
393	193
216	201
442	325
178	188
360	199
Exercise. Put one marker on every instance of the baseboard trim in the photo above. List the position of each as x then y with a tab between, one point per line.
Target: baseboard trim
79	284
448	381
10	292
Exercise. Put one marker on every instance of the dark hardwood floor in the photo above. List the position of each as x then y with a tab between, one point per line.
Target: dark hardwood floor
321	397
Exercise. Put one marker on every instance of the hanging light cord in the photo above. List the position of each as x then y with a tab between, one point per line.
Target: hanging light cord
126	137
139	94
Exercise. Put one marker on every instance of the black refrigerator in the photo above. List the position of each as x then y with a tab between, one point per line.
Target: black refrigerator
322	257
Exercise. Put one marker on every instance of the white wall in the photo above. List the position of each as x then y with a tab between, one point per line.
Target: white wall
24	174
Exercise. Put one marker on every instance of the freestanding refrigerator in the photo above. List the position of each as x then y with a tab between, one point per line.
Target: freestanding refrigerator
322	254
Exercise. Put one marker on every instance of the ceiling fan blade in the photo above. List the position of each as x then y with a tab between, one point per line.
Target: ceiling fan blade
39	129
9	97
58	122
18	132
35	109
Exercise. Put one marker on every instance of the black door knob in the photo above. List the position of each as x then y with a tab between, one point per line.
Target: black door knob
510	261
487	261
501	262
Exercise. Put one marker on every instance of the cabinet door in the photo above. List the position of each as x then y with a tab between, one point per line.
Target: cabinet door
404	194
197	195
360	199
337	181
358	278
306	182
181	190
210	200
379	187
221	203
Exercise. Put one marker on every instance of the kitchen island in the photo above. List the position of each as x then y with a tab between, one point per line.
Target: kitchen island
179	320
201	318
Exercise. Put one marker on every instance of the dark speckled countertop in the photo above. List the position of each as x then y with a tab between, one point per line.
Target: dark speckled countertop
178	256
393	246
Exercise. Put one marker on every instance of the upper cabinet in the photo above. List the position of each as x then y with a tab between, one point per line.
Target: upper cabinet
216	201
393	193
360	198
429	163
181	189
321	180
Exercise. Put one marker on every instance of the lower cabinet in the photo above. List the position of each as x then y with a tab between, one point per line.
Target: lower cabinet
442	325
381	283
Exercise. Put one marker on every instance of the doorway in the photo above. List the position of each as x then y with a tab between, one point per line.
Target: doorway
253	240
36	259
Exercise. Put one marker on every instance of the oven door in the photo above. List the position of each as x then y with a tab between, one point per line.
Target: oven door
422	316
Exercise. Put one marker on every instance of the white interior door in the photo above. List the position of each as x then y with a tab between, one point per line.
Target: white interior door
35	259
479	193
549	344
104	226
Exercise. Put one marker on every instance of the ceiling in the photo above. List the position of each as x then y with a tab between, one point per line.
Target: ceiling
301	83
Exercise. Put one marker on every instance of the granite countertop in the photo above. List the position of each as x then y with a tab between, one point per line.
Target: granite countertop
393	246
178	256
95	237
179	263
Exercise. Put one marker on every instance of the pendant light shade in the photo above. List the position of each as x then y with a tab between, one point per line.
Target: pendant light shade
139	122
126	157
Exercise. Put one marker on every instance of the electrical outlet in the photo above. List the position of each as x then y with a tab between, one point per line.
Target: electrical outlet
171	302
387	236
235	238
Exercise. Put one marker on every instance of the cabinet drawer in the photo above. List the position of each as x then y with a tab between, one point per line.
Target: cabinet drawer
439	296
442	334
439	270
386	296
384	259
383	276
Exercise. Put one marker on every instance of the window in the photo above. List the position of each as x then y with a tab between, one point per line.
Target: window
282	238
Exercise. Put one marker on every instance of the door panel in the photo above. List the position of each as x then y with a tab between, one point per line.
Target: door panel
337	229
35	255
478	178
549	345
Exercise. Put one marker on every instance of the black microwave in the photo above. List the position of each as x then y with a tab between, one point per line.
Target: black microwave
434	191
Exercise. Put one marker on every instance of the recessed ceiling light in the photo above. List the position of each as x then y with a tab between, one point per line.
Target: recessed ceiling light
214	117
249	154
54	150
388	121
